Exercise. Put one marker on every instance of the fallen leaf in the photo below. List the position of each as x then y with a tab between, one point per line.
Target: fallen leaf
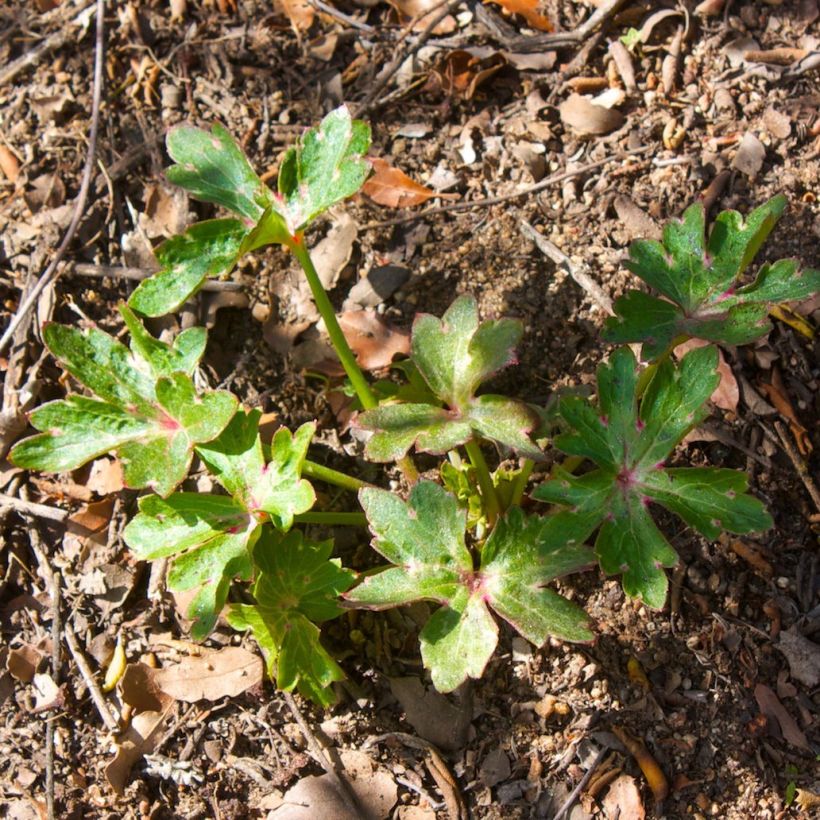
9	164
776	713
460	72
392	188
802	655
424	12
47	695
314	796
624	796
379	285
432	714
105	476
225	673
299	12
528	9
91	518
495	768
331	254
588	119
22	662
45	192
166	211
649	766
372	339
750	155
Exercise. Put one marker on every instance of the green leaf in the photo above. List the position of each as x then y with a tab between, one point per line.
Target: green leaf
326	167
629	446
424	539
454	355
182	356
235	459
148	415
211	536
206	249
213	168
700	280
296	588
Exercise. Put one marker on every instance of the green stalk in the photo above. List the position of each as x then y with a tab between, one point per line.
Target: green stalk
520	483
492	508
337	338
333	519
311	469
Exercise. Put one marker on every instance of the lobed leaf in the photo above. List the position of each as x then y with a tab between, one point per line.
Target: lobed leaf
206	249
149	415
699	278
423	539
454	355
211	536
296	588
629	444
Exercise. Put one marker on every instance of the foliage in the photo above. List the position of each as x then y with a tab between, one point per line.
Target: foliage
699	281
629	447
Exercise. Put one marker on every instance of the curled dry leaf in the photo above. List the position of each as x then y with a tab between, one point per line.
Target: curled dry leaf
373	340
649	766
391	187
528	9
588	119
624	796
461	72
776	712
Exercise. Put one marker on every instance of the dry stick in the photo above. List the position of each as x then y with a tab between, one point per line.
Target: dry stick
321	756
51	43
51	271
56	643
569	38
371	100
579	276
799	463
573	795
30	508
136	275
497	200
111	722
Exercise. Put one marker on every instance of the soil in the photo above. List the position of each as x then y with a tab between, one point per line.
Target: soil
694	683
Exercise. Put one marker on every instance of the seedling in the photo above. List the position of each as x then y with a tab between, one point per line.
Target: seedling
467	546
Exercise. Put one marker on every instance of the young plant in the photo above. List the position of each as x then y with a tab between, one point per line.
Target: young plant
700	282
629	446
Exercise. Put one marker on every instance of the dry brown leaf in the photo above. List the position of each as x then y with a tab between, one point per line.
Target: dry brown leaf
22	662
225	673
775	711
299	12
776	393
47	694
624	796
392	188
9	165
588	119
373	340
750	155
332	253
424	12
749	554
91	518
528	9
460	73
105	476
649	766
802	655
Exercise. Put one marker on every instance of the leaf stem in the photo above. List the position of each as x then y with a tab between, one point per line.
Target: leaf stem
333	519
334	330
520	482
311	469
492	508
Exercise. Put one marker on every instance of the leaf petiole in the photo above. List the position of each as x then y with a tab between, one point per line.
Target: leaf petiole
492	507
319	472
520	482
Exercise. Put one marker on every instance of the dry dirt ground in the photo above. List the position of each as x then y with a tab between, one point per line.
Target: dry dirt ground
720	687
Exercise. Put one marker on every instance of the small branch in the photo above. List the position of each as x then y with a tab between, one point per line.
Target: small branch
321	756
569	38
498	200
30	508
573	795
51	271
798	463
579	276
136	275
111	722
56	644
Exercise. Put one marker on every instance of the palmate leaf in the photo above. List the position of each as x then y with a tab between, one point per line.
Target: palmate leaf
455	354
297	587
699	278
211	536
629	447
424	541
206	249
146	411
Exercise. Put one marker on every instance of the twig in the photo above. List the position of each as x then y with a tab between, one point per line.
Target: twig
498	200
569	38
341	16
371	100
579	276
798	463
573	795
40	510
51	271
321	756
51	43
56	644
137	275
111	722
